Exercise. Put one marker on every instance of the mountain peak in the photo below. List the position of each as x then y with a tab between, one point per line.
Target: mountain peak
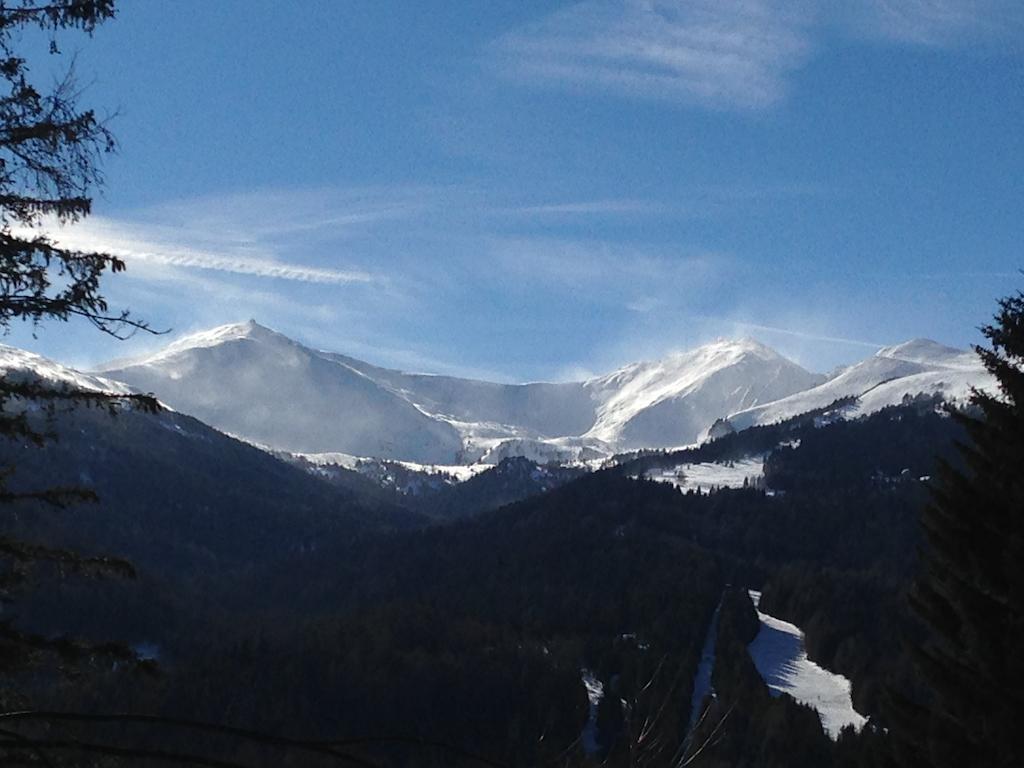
212	337
722	348
249	329
653	404
252	328
746	344
931	354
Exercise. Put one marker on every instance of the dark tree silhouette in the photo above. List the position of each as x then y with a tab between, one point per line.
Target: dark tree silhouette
49	153
49	166
971	591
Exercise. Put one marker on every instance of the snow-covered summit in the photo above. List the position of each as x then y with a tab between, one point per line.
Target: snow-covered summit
668	402
213	337
253	382
256	383
931	354
916	367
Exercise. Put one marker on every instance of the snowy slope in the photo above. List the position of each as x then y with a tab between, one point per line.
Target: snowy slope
931	354
537	409
17	363
915	367
779	655
702	679
595	692
252	382
705	476
560	450
257	384
672	402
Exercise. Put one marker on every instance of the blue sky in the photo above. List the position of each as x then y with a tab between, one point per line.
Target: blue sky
528	190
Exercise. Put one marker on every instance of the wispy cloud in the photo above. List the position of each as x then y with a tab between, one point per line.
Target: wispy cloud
421	270
590	208
604	267
645	304
267	214
726	54
704	201
733	54
935	23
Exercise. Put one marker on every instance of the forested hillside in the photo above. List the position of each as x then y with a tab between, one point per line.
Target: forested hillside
325	619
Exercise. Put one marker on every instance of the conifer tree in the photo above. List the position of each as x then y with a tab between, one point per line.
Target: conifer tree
971	591
50	150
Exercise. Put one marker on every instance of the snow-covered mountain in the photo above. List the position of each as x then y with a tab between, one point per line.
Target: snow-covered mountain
21	365
672	402
539	409
915	367
257	384
249	381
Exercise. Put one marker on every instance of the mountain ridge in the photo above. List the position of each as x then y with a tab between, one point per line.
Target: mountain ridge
253	382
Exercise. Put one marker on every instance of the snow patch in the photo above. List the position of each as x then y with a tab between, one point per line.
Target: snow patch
779	654
702	686
708	475
595	692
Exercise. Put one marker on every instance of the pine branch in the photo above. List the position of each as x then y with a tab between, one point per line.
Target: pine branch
71	650
61	498
24	552
39	390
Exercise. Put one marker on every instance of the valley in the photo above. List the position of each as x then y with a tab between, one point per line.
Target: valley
469	576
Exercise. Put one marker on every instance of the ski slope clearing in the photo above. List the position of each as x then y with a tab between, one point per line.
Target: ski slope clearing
702	685
595	692
780	657
705	476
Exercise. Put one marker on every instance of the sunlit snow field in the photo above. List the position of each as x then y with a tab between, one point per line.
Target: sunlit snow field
781	659
705	476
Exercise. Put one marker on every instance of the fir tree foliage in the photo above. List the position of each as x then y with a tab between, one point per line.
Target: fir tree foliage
971	592
50	150
49	167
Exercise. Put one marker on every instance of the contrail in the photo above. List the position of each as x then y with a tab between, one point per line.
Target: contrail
244	266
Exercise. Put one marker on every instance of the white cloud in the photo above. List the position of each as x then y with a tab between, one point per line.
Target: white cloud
726	54
719	53
645	305
266	214
590	207
936	23
603	268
